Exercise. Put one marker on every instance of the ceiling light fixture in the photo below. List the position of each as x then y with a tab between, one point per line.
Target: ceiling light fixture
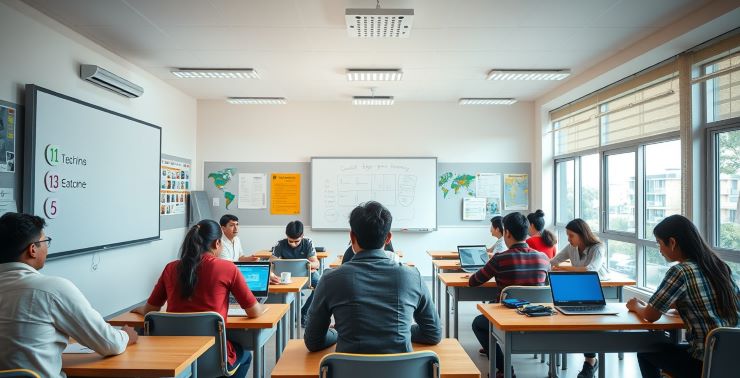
257	100
486	101
499	74
372	99
215	73
370	74
379	23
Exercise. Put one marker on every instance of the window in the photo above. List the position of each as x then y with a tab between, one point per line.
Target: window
655	267
662	183
726	204
723	92
565	184
620	169
577	132
622	258
735	267
590	177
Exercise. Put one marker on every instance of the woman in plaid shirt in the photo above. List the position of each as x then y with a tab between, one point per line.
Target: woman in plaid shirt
700	288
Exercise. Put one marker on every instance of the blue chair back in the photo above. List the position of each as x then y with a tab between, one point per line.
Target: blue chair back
720	353
19	373
533	294
422	364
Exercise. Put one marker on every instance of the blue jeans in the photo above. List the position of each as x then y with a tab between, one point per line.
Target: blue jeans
243	360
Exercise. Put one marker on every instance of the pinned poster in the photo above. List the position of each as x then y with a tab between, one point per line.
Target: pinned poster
252	191
474	208
285	193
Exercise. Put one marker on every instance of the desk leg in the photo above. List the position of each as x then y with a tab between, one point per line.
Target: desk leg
455	309
553	368
292	317
507	355
491	351
259	356
279	339
321	266
602	366
447	314
436	288
299	305
620	297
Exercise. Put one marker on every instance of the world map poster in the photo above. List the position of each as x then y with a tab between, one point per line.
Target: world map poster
516	191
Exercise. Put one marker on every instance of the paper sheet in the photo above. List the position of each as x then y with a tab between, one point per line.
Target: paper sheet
252	191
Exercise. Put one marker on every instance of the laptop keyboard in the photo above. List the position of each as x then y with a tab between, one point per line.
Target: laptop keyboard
583	308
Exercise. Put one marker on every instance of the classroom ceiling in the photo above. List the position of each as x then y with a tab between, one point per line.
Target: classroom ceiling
301	49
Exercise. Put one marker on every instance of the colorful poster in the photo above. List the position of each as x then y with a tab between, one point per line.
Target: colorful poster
474	208
7	139
516	191
456	183
285	193
252	191
174	187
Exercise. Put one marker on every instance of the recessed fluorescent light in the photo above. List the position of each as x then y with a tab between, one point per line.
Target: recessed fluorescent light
486	101
216	73
528	74
374	74
372	100
257	100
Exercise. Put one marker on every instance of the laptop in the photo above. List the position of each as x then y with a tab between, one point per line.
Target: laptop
579	293
257	277
472	257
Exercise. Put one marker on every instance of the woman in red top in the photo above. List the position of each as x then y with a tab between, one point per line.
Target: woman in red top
200	281
539	238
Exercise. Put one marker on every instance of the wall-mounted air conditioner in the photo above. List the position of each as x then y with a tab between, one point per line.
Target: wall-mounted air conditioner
106	79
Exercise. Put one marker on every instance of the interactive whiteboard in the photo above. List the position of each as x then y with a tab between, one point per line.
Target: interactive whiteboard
406	186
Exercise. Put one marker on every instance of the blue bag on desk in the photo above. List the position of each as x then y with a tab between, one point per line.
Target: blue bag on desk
514	302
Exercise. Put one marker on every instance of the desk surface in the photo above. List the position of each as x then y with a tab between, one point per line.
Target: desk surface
295	285
442	254
508	319
458	280
298	362
151	356
268	319
265	254
446	264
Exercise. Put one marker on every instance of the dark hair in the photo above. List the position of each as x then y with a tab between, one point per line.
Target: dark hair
580	227
197	241
294	229
537	219
517	224
371	223
226	218
17	231
694	248
496	222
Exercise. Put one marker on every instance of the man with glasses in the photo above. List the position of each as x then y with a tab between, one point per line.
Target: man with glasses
38	313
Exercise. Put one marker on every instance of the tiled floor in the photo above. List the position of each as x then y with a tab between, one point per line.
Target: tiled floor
525	365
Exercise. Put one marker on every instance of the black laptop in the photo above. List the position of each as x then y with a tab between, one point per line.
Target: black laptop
579	293
472	257
257	277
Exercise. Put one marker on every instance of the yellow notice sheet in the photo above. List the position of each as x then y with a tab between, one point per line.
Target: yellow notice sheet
285	193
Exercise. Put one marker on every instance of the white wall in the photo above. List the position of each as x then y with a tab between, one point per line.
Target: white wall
37	50
298	131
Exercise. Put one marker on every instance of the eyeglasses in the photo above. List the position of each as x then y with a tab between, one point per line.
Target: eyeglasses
47	240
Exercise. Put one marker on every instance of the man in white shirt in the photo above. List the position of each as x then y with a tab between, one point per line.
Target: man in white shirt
232	249
38	314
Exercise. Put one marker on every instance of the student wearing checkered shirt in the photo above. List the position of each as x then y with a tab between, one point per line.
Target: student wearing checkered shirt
700	288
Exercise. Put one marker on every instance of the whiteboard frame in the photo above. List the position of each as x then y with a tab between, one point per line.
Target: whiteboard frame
436	220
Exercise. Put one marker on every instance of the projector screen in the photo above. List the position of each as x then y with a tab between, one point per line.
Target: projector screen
91	173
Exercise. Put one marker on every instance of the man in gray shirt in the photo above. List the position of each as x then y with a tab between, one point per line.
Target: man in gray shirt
374	301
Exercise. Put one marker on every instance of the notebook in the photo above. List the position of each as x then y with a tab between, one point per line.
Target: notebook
579	293
472	257
257	276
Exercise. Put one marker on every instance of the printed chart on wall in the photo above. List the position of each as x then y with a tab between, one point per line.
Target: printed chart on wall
7	138
516	191
174	187
285	193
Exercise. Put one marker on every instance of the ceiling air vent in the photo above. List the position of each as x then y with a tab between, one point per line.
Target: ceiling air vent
379	23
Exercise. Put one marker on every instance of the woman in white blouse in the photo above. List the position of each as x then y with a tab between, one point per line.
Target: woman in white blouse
584	249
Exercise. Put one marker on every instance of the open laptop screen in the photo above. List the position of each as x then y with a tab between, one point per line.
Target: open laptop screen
257	276
574	288
472	255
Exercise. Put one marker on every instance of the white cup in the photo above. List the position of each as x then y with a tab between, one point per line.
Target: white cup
285	277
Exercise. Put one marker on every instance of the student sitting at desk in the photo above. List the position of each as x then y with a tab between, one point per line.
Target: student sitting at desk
700	287
373	300
540	238
519	265
349	253
295	246
497	231
38	313
232	246
199	281
586	252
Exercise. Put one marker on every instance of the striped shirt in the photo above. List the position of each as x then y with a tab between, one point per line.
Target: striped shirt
519	265
689	289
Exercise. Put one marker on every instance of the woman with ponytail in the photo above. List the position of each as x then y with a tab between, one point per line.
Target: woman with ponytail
200	281
539	238
700	288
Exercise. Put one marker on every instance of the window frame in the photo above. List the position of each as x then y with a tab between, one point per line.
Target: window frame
712	131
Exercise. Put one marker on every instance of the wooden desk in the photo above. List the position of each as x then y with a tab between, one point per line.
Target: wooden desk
298	362
443	255
286	293
151	356
439	266
249	332
456	285
625	332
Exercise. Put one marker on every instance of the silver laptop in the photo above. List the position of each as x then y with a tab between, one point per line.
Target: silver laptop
257	277
579	293
472	257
